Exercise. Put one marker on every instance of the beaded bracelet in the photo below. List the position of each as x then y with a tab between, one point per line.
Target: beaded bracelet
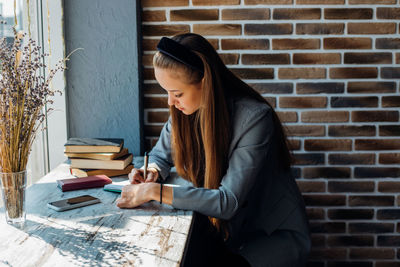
161	186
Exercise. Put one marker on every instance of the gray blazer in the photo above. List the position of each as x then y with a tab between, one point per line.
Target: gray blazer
255	197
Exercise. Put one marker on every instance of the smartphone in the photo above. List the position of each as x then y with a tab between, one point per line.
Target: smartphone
72	203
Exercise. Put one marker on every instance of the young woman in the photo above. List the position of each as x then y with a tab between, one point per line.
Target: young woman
225	139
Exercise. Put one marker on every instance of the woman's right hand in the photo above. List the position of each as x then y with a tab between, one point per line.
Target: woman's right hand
136	176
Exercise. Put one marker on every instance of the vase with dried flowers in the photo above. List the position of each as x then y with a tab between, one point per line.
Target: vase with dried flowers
24	97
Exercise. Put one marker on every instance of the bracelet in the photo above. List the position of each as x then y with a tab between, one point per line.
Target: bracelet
161	186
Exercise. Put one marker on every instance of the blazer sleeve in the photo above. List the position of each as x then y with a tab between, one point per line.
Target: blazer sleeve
160	156
253	134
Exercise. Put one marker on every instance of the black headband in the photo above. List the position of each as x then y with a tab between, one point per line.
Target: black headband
180	53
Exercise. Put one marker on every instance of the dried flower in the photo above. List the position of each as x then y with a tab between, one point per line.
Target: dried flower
24	94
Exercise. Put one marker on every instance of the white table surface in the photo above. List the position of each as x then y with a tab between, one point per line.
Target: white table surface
96	235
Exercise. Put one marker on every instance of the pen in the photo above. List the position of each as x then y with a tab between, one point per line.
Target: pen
146	161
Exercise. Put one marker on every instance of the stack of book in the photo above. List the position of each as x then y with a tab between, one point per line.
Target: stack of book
95	156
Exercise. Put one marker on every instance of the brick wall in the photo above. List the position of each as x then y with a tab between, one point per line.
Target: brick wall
331	69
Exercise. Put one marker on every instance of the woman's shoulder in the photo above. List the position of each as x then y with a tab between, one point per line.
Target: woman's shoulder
248	108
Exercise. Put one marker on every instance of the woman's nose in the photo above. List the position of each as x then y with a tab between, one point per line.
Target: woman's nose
171	100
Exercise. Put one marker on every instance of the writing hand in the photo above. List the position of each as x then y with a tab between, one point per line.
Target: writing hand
136	176
134	195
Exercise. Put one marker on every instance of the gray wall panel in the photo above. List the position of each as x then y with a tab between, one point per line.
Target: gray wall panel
103	85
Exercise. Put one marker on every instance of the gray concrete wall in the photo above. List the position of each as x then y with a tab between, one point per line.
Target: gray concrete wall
103	84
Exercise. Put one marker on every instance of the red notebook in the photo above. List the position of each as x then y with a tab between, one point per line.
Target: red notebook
83	183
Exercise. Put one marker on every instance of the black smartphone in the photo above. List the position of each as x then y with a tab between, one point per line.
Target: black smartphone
72	203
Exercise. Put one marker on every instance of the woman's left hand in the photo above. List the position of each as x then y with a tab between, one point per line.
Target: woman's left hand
134	195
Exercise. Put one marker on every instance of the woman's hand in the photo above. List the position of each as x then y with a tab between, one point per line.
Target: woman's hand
136	176
134	195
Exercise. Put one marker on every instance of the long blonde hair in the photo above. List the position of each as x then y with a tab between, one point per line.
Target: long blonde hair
200	141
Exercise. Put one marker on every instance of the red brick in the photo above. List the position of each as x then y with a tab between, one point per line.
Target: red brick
326	172
388	214
389	187
390	73
287	116
377	144
388	13
319	2
389	158
193	14
161	3
319	88
268	29
397	58
371	253
151	130
353	73
389	241
158	15
163	30
271	101
371	227
374	116
156	102
148	74
296	13
302	102
389	130
320	28
217	29
350	241
315	213
258	73
317	240
214	3
327	144
328	254
325	200
388	263
372	2
350	214
348	13
368	58
230	59
294	144
368	200
268	2
147	60
153	88
351	159
308	158
388	43
347	43
292	44
362	102
352	187
246	14
324	116
351	130
273	88
302	73
265	59
371	87
149	44
371	28
305	130
251	44
316	58
157	116
311	187
376	172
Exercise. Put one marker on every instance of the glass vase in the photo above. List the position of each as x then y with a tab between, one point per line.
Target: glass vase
13	186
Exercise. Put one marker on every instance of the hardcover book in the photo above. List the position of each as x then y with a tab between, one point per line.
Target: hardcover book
102	156
94	145
83	183
110	173
116	164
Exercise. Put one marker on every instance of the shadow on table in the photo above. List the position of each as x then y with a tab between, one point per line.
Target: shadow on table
87	248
